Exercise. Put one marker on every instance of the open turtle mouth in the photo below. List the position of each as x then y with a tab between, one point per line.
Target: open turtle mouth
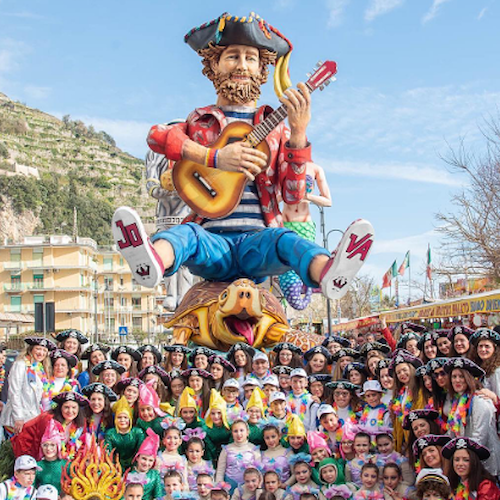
241	327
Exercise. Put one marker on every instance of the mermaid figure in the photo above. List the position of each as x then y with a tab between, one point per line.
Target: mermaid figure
298	219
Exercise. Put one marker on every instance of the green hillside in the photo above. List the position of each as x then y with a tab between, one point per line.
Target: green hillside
76	167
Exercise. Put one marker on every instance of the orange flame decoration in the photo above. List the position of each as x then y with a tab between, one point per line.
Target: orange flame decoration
94	474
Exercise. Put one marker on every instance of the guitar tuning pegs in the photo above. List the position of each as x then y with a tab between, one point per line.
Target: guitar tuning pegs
321	87
308	75
328	82
319	63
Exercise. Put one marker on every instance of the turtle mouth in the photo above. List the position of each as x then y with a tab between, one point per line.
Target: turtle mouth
241	326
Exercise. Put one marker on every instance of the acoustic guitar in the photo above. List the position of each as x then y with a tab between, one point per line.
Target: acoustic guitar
214	193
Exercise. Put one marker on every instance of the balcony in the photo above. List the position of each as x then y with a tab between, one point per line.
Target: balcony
19	309
13	266
15	288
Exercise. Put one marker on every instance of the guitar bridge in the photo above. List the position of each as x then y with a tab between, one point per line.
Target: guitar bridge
208	188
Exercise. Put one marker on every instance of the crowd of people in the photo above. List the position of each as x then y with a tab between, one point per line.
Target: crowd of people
395	415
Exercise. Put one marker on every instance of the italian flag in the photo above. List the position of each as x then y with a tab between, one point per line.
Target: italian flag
405	264
391	273
429	260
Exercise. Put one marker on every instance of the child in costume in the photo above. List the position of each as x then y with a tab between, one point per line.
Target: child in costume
150	414
392	479
195	448
231	393
278	408
204	483
255	411
173	484
387	455
362	443
133	491
199	381
236	456
271	483
144	463
319	450
221	370
218	431
275	456
170	459
370	486
300	401
330	425
252	482
124	438
375	414
301	469
51	465
187	409
20	486
331	473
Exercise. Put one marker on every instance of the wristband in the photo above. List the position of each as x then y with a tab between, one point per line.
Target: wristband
207	156
215	158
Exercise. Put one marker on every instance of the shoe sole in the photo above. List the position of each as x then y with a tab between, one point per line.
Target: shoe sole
347	259
133	243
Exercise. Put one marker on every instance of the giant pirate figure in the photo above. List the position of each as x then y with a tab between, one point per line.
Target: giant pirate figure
251	241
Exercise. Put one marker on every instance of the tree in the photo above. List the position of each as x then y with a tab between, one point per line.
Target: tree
474	229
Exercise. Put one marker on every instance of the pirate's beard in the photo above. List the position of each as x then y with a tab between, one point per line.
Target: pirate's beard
239	92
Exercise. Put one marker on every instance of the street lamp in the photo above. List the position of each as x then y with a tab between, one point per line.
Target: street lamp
325	245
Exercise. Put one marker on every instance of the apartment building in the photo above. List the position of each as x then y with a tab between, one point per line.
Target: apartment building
91	286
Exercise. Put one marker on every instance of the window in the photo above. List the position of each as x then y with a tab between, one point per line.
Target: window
15	304
123	301
136	302
121	261
109	302
15	282
108	264
121	280
38	299
15	255
111	324
37	280
137	322
108	282
38	256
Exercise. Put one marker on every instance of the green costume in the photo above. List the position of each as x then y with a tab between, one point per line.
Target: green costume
256	435
155	425
154	488
215	438
126	445
51	473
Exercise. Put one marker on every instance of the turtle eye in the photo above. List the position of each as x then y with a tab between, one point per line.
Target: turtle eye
248	295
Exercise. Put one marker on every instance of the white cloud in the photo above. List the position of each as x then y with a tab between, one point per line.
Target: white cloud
379	7
11	52
482	13
433	11
336	12
37	92
416	243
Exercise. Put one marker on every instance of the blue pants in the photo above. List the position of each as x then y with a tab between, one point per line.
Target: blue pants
251	254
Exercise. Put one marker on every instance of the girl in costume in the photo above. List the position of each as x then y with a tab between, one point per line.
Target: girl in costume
287	355
195	448
318	447
471	415
345	401
283	373
27	377
169	459
240	356
370	486
428	453
468	476
295	436
386	455
61	380
252	482
317	360
129	387
187	409
373	352
94	354
318	389
271	484
150	414
392	480
255	411
409	342
198	357
440	399
144	463
51	464
218	432
150	356
443	343
160	380
302	472
375	414
420	423
128	358
342	358
386	380
331	473
406	396
461	346
99	414
355	373
236	456
71	341
200	381
427	346
346	446
274	455
176	357
109	373
221	370
177	385
362	456
124	438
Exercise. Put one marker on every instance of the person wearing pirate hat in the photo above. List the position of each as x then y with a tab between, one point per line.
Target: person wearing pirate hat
235	54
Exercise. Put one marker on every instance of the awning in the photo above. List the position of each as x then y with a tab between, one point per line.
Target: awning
9	319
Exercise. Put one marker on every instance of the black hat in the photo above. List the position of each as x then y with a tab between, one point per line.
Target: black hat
152	349
460	329
421	371
345	351
405	338
157	370
443	332
109	364
464	364
343	384
374	346
125	382
288	346
200	350
359	367
320	377
197	372
61	353
407	325
233	30
282	370
173	374
429	440
219	360
413	415
337	339
383	363
72	333
125	349
465	443
433	336
433	364
240	347
93	348
99	388
66	396
319	349
177	348
402	356
485	334
41	341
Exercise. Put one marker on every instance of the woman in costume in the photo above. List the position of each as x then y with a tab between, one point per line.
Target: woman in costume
427	346
176	357
94	354
240	356
71	341
373	352
198	357
129	387
317	360
345	401
27	378
99	414
461	346
355	373
342	358
109	372
386	380
128	358
409	341
61	380
468	476
472	415
150	356
287	354
221	370
200	381
440	399
318	389
427	453
175	388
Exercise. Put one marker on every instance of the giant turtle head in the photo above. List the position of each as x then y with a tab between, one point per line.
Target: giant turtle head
240	309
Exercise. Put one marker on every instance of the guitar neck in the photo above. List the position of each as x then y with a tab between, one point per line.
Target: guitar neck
263	129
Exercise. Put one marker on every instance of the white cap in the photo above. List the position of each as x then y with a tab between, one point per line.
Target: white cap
249	380
47	491
231	382
271	380
325	409
372	385
429	473
277	396
25	462
298	372
259	356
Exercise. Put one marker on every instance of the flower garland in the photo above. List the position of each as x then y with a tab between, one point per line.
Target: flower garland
96	426
35	370
380	416
73	441
2	377
462	492
458	413
396	405
14	487
298	404
351	415
49	390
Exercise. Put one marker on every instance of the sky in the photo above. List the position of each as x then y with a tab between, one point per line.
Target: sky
415	78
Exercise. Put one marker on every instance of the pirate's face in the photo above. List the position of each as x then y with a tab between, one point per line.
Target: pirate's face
39	353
